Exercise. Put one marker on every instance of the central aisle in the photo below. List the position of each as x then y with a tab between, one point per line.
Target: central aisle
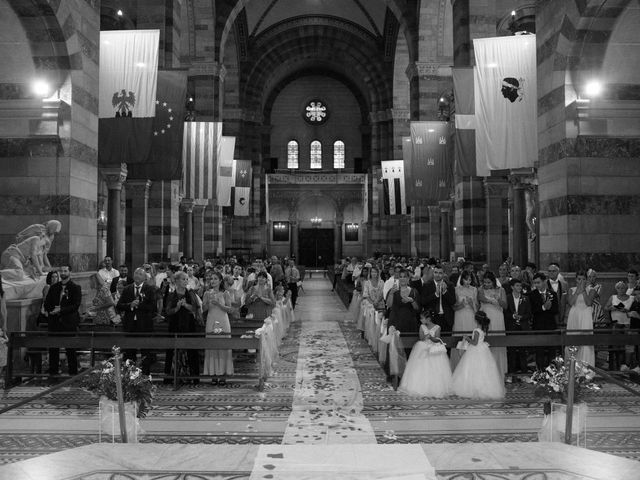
327	401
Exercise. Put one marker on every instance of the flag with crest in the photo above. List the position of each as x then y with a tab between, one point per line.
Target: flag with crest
128	73
241	191
393	185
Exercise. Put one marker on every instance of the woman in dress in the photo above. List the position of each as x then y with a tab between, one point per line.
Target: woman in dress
427	372
217	305
373	289
260	299
618	306
493	301
102	306
598	315
235	296
477	375
402	305
466	305
356	299
580	298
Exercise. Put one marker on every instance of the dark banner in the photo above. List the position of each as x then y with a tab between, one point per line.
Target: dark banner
429	164
165	157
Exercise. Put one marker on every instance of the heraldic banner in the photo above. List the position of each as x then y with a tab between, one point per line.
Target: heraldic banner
506	101
428	168
199	152
241	192
127	98
393	187
226	178
165	158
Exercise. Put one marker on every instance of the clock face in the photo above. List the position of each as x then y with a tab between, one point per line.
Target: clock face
315	112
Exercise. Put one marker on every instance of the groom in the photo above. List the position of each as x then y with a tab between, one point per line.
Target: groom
439	296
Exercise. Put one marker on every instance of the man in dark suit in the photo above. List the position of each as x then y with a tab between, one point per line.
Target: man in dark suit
517	318
544	308
439	296
62	305
560	288
138	304
124	275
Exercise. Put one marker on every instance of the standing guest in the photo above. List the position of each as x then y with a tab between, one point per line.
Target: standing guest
138	306
580	300
455	274
477	375
504	280
217	305
62	304
238	280
52	278
427	373
403	305
469	267
559	286
192	282
544	309
493	301
182	309
439	296
619	305
373	289
124	275
466	305
634	323
292	277
108	273
392	282
260	299
235	296
102	306
160	275
632	281
517	318
599	318
277	273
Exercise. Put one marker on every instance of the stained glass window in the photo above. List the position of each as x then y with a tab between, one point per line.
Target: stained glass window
316	154
338	154
292	154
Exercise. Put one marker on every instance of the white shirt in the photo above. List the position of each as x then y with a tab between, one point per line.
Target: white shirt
388	285
555	284
237	283
516	302
108	275
159	278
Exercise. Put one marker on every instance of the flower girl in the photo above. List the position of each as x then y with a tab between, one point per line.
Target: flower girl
477	375
427	372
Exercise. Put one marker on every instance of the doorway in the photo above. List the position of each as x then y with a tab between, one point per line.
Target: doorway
316	247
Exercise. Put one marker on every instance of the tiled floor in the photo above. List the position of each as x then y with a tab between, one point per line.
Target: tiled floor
327	389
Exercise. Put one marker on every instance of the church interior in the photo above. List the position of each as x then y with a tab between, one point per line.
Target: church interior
315	105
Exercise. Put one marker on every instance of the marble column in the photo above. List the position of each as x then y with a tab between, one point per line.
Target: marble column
445	229
364	235
294	239
518	217
434	231
337	240
496	190
199	207
138	194
405	235
114	177
187	205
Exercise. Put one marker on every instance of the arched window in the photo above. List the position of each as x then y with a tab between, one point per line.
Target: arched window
338	154
292	154
316	154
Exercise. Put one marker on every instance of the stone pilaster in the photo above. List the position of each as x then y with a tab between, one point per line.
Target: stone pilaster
496	191
115	178
199	209
186	206
434	231
138	209
446	229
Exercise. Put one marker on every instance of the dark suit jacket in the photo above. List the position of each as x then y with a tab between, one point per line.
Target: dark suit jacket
114	282
562	299
524	310
427	298
69	318
543	319
139	319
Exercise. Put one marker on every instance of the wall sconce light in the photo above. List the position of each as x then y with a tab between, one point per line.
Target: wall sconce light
102	223
445	106
316	221
279	226
352	227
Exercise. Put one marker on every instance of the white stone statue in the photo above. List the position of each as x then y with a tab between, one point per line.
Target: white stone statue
28	256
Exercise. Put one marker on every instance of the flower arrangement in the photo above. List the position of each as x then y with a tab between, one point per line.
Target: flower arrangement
136	387
553	381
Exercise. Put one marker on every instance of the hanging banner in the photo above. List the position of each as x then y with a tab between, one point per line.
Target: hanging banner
199	147
365	202
225	178
505	90
241	198
393	187
428	163
128	75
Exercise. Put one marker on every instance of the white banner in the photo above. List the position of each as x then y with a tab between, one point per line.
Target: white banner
128	73
506	101
241	199
225	174
393	187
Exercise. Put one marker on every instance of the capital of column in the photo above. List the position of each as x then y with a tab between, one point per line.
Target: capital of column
187	205
216	69
495	187
379	116
200	205
427	69
115	176
139	188
399	113
445	206
434	211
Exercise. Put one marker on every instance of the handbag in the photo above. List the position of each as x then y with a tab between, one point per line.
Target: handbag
462	345
437	348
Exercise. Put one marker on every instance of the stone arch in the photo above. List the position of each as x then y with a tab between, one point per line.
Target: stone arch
316	203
